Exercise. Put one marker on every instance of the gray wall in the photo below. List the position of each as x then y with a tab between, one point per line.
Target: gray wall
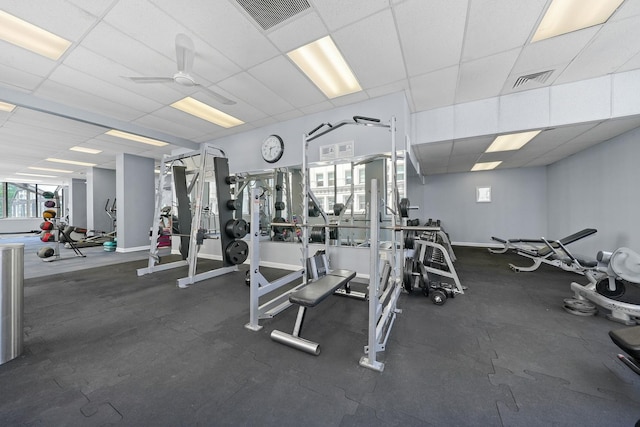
77	202
101	185
598	188
135	185
518	207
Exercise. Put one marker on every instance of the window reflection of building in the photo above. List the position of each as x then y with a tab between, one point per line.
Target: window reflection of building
338	190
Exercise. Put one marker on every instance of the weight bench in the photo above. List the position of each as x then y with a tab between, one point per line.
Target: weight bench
309	296
551	252
628	339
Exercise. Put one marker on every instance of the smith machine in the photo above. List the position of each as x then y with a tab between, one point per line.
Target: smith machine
384	278
184	210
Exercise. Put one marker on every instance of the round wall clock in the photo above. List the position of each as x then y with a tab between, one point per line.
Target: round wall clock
272	148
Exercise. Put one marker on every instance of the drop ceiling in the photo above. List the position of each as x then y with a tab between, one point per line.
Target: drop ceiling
438	52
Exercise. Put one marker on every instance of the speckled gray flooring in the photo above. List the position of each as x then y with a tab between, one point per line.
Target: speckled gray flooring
111	348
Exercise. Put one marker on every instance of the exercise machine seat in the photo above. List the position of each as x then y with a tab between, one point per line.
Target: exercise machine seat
628	339
315	292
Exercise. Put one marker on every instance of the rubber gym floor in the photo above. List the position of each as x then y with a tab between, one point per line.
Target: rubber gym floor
105	347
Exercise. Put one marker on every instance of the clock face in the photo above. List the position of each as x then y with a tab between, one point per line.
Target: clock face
272	148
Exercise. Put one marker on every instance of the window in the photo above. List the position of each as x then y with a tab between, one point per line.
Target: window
361	175
331	178
331	201
21	201
319	180
347	177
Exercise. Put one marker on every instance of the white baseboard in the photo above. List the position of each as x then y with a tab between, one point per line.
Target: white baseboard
134	249
477	245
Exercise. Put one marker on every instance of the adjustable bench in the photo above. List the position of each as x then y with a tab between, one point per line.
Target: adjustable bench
551	252
628	339
310	296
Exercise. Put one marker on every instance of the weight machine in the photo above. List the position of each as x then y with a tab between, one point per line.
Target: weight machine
205	168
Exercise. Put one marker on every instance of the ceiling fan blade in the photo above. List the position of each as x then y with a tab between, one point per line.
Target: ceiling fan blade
220	98
184	53
150	79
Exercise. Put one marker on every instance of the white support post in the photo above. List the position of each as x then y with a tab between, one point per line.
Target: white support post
259	285
383	297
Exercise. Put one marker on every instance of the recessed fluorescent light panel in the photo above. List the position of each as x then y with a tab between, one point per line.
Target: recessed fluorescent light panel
485	166
5	106
510	142
28	36
322	62
70	162
85	150
206	112
36	168
565	16
36	174
136	138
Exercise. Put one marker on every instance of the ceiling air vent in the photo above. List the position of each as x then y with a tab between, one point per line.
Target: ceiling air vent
269	13
540	77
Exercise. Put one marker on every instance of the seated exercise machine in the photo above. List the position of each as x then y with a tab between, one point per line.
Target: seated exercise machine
550	252
607	284
430	257
628	339
383	294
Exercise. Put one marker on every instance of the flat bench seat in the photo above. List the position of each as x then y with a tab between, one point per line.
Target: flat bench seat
628	339
315	292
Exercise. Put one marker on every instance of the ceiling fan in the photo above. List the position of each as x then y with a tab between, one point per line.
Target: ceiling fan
184	55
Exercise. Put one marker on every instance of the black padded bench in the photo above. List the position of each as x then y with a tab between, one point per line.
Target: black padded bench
552	252
310	296
628	339
316	292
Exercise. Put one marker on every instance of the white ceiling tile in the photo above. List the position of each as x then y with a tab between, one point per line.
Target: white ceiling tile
349	99
285	79
101	90
433	90
434	150
386	89
471	145
78	99
552	138
631	64
12	77
372	50
306	29
248	89
338	13
57	16
523	110
434	46
17	58
224	27
626	10
94	7
614	45
484	77
550	53
495	26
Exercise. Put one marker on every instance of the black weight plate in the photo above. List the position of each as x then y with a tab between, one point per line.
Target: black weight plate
237	252
603	289
236	228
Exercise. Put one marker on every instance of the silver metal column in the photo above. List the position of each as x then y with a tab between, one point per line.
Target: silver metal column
11	300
